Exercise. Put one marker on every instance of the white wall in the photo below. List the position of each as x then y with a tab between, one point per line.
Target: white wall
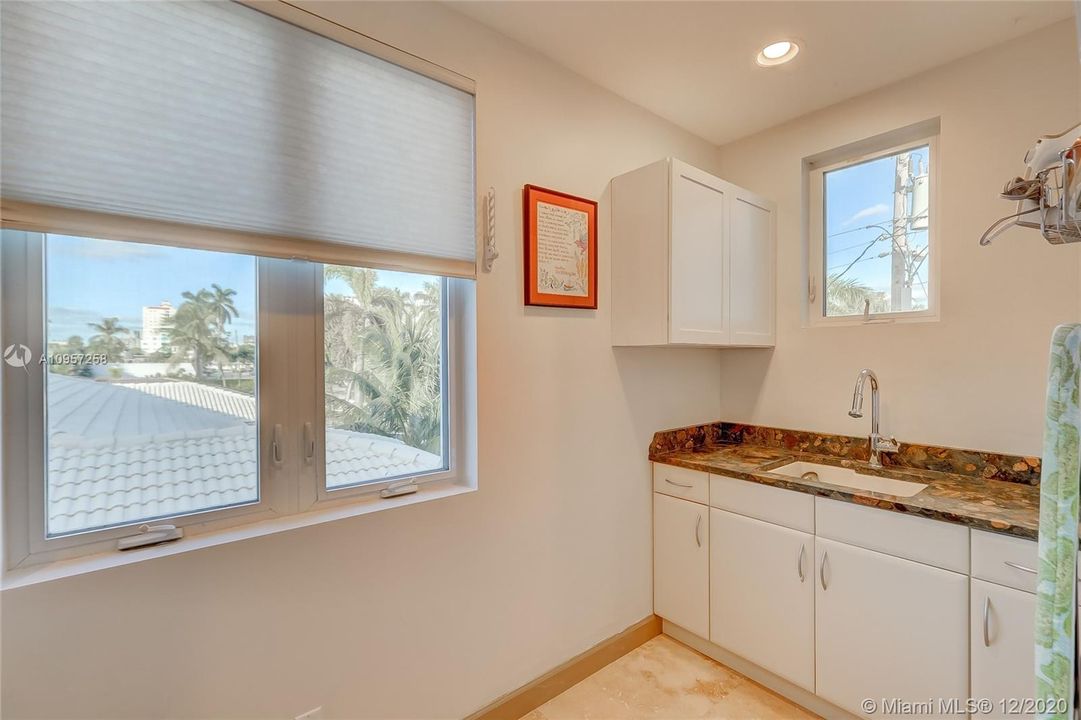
976	378
436	609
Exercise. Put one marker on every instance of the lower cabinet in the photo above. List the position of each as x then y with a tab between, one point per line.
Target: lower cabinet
1002	622
887	628
681	562
761	579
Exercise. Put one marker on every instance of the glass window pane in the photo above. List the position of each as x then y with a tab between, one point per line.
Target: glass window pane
876	246
151	403
384	363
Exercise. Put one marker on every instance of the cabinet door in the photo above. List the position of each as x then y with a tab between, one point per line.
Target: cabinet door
681	563
762	594
1003	655
752	257
887	628
698	268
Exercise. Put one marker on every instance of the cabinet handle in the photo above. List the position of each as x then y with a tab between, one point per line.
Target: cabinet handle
822	569
799	561
986	619
698	531
1022	568
677	484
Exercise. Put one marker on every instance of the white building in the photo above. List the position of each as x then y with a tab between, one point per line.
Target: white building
154	319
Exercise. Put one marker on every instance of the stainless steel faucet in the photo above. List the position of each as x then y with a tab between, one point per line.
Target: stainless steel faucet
878	445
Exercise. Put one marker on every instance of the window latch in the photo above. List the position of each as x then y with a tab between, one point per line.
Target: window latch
150	535
309	443
276	447
811	288
406	487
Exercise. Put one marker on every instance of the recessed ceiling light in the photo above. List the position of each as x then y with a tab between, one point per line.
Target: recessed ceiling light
777	53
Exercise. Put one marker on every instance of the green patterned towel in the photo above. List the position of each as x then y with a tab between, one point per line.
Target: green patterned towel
1056	589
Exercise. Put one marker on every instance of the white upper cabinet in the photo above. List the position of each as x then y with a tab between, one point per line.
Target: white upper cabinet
693	260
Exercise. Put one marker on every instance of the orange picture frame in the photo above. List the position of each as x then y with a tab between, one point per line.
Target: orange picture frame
560	233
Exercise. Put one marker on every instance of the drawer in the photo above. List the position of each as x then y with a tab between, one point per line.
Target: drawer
919	539
1004	560
763	502
682	483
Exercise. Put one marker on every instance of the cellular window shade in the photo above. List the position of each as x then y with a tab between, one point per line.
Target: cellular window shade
217	115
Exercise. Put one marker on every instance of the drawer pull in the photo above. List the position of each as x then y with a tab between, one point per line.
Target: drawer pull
698	531
986	620
1022	568
677	484
799	562
822	570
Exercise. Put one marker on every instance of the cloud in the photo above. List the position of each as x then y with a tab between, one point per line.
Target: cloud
868	212
66	321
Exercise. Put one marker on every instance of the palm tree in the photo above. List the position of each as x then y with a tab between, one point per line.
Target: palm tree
848	296
109	337
197	329
383	360
223	305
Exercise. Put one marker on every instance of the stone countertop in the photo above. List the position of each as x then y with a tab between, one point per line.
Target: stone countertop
999	506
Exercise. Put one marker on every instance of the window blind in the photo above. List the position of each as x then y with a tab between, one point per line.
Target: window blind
216	115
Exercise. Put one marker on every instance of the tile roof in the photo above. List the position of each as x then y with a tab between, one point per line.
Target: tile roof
122	453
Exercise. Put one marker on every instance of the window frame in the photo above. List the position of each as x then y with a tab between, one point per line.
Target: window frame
288	319
815	295
455	367
24	462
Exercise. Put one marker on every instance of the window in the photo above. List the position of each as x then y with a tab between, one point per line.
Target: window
259	307
157	373
150	371
383	339
871	235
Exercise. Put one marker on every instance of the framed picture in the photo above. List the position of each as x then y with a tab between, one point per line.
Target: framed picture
560	249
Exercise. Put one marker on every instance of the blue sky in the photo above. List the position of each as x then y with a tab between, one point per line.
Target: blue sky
89	279
859	196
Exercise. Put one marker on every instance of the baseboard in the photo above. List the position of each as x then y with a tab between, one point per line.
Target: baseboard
532	695
779	685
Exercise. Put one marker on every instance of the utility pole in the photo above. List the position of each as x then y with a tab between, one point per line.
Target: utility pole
900	285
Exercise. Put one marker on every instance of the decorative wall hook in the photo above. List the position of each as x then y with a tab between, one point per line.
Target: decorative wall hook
490	251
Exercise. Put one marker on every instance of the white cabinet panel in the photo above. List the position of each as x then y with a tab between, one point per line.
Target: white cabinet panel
1005	560
1002	630
772	504
753	256
927	541
681	562
681	482
698	258
762	594
887	628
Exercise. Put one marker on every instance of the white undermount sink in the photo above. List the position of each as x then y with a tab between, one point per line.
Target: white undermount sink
846	477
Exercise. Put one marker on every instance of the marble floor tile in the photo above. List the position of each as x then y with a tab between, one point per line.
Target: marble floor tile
665	680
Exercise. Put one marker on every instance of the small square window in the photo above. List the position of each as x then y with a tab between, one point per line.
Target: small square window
871	236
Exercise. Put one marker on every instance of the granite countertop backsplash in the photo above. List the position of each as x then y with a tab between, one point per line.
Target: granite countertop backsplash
988	491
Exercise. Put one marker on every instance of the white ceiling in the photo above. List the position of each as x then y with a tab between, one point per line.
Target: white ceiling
693	62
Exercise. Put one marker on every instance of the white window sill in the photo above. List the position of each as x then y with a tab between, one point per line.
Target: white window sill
45	572
855	320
